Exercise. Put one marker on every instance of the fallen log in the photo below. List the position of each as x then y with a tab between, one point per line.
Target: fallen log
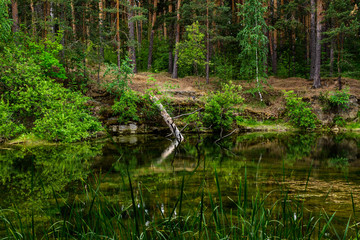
168	120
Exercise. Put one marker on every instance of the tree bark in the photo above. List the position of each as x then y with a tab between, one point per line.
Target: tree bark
171	43
101	20
332	58
73	18
174	130
15	15
274	43
131	25
33	18
317	82
177	40
151	43
312	39
207	66
118	32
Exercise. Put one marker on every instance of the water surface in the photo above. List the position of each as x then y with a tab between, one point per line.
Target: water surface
321	170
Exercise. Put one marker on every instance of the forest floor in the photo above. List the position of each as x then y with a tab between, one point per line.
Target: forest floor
191	87
189	91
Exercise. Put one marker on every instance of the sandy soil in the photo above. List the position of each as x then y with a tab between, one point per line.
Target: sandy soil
184	89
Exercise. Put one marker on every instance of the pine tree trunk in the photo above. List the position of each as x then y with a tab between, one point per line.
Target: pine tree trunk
101	20
151	43
207	66
319	19
73	19
131	25
15	15
33	18
332	58
312	39
274	44
177	40
171	43
118	32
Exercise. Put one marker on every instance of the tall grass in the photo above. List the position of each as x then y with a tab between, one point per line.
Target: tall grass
251	216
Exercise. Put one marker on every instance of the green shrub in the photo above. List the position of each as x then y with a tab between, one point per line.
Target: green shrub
299	111
221	106
57	113
68	125
126	107
339	121
120	77
339	99
8	128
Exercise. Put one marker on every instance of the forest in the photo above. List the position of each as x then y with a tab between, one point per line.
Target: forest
52	52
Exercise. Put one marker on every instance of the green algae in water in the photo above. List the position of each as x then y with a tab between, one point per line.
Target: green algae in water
53	183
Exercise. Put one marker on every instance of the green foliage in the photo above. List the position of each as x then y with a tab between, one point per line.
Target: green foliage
252	39
126	107
120	83
340	99
5	22
66	125
192	50
299	111
221	106
339	121
224	68
8	128
47	108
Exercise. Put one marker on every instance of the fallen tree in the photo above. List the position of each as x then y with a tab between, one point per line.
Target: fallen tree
168	120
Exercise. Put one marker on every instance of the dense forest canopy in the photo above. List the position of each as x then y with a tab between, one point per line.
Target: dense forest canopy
301	34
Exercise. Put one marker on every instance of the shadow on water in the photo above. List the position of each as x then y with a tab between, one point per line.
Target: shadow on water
162	178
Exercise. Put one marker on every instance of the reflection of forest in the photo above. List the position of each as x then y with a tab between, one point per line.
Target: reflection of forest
30	176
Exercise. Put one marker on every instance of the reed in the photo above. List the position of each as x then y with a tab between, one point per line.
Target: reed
252	216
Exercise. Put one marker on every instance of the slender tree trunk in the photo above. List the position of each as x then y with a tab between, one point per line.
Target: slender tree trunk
207	66
274	43
312	39
101	23
15	15
118	32
317	82
73	19
33	18
293	39
51	13
177	40
151	43
131	25
171	43
332	58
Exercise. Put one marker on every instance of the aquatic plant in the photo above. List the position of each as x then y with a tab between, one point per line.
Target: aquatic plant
251	216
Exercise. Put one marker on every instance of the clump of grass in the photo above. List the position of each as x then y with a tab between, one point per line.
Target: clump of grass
251	217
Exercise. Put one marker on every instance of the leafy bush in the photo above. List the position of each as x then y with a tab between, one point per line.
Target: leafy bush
221	106
52	111
339	121
192	49
126	107
120	77
8	128
224	68
299	111
339	99
69	125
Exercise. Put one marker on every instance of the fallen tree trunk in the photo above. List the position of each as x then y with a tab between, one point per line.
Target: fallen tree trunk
174	130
